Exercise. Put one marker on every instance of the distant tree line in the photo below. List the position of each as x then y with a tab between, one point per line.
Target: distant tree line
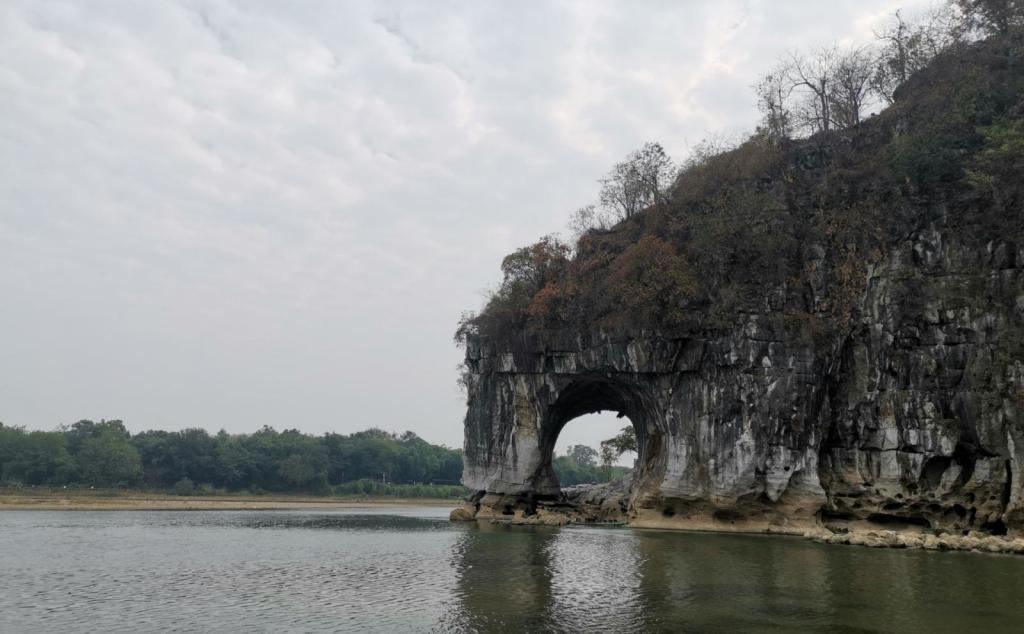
580	465
104	455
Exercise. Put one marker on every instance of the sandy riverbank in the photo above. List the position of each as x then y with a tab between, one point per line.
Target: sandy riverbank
157	502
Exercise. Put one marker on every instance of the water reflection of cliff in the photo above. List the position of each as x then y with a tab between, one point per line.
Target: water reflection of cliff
593	579
766	583
503	579
542	579
729	583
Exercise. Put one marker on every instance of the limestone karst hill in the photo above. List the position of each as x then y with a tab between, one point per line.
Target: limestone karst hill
820	330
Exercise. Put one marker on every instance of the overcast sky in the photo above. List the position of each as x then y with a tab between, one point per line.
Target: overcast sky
235	214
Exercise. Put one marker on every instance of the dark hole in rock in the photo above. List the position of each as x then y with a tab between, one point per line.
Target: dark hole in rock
965	455
1006	485
836	515
912	488
960	511
856	505
934	467
507	511
899	496
892	506
886	519
995	528
726	515
934	508
668	511
785	469
969	498
971	515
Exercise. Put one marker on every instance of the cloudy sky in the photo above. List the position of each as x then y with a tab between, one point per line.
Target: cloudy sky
232	214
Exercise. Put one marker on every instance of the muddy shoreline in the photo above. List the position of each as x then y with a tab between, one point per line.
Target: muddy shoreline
152	502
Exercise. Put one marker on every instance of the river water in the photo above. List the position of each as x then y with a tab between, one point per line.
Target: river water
410	570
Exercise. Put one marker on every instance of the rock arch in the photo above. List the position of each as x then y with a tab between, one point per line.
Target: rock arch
707	413
591	394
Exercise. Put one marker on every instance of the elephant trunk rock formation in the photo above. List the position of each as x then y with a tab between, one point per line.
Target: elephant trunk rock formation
896	402
913	419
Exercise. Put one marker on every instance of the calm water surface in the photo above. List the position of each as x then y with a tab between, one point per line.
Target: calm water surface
409	570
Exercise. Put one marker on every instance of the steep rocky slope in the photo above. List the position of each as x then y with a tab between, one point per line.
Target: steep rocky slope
849	349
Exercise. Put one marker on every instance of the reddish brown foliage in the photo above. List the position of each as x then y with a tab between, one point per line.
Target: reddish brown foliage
652	282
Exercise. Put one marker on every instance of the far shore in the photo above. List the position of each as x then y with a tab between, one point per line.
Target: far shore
143	501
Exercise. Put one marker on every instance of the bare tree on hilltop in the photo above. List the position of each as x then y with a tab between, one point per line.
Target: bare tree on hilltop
832	87
773	93
907	47
643	179
851	87
811	76
589	218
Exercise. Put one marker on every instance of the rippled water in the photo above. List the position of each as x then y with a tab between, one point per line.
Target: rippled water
409	570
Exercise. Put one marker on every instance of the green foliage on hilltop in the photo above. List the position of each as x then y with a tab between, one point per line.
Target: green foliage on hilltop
996	169
106	455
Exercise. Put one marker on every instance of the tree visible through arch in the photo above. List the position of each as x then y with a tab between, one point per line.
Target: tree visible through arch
590	395
581	454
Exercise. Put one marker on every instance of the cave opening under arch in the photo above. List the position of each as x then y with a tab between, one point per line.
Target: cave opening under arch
587	396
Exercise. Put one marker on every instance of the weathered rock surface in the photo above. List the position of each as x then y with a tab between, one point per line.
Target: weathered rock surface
925	407
463	514
974	541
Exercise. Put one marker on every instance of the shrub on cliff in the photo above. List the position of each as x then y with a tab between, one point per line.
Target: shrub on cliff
526	273
647	281
653	282
996	169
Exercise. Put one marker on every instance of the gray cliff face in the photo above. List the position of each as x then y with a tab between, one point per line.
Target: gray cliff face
910	414
925	415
